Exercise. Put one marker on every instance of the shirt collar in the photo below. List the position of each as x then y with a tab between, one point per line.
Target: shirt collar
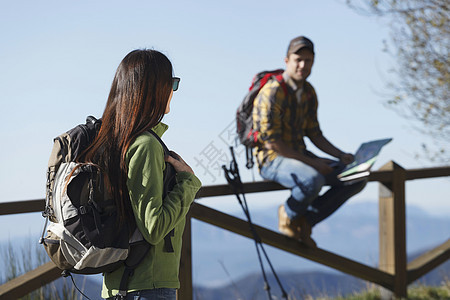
160	128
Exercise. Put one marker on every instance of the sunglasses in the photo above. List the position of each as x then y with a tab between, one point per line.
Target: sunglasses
175	83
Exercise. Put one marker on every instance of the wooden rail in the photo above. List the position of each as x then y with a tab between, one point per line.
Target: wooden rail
394	273
290	245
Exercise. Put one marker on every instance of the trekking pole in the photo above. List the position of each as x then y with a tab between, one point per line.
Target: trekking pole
233	177
255	236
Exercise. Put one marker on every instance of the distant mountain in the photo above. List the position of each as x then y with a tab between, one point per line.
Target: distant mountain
297	285
300	284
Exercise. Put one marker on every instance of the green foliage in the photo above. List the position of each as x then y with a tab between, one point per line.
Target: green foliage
420	43
416	292
429	292
18	260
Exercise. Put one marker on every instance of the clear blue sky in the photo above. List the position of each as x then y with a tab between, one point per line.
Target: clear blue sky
58	59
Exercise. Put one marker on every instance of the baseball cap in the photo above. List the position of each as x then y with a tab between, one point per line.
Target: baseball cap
299	43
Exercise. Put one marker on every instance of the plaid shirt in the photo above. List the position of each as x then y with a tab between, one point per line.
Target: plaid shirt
289	118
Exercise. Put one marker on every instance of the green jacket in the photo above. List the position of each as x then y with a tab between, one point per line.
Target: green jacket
155	216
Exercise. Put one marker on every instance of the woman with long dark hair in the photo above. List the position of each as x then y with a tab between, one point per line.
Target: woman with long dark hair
134	160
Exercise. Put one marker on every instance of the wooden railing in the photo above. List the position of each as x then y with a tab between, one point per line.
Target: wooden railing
394	272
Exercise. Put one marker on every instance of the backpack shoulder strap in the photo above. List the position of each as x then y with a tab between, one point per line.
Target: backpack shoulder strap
168	182
166	150
141	247
280	79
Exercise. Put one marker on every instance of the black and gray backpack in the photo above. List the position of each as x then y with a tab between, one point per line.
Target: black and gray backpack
83	235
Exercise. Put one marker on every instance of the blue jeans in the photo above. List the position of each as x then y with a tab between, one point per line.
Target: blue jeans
153	294
305	183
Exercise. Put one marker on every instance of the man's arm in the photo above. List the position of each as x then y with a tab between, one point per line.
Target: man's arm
323	144
282	149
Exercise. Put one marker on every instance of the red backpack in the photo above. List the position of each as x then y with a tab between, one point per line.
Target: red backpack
247	135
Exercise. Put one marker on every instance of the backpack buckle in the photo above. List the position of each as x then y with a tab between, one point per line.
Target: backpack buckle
120	295
48	211
83	210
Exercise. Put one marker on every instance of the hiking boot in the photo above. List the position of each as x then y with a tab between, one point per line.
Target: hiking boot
286	225
298	228
305	233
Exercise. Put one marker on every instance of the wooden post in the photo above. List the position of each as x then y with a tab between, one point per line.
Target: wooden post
392	226
185	292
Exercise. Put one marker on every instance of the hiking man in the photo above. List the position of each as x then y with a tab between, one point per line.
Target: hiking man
283	120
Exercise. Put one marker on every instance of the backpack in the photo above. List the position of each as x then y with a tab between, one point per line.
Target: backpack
247	135
84	236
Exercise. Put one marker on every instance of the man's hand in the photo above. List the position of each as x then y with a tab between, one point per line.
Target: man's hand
346	158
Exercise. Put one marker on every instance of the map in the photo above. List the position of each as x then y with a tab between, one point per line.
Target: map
365	157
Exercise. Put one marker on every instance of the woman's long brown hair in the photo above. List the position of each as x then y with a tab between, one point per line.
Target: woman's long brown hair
137	102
